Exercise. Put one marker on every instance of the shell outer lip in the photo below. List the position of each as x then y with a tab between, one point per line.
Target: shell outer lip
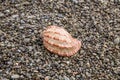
70	54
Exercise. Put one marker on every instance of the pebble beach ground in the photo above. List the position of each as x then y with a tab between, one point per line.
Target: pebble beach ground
95	22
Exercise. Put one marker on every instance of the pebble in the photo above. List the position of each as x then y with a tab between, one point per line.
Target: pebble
22	21
4	78
13	1
15	16
72	78
66	78
1	14
117	40
26	39
88	74
32	16
2	44
47	77
30	48
15	76
7	11
21	27
75	1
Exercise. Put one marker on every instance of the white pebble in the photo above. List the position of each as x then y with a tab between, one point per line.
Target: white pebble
15	76
117	40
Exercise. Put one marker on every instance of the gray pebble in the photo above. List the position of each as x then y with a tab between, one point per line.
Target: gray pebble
22	21
1	14
72	78
88	74
21	27
66	78
31	16
2	44
30	48
117	40
7	11
4	79
75	1
26	39
15	76
15	16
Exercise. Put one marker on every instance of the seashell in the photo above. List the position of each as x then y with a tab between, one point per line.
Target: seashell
59	41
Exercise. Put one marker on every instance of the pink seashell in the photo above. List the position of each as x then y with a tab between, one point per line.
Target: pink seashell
59	41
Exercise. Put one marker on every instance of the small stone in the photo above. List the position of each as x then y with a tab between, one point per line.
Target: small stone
7	11
72	78
35	31
2	44
47	77
1	14
117	40
9	45
22	48
21	27
12	1
69	70
60	15
81	0
88	74
15	16
26	39
78	76
19	50
30	17
88	64
66	78
15	76
4	78
75	1
22	21
30	48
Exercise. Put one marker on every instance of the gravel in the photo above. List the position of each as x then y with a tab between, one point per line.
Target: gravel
96	23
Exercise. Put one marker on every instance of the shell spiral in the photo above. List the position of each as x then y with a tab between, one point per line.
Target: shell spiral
59	41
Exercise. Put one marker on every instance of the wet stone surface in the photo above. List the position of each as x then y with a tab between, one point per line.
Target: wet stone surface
96	23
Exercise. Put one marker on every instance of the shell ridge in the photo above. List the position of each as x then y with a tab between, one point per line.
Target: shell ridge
56	33
58	45
59	41
57	38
